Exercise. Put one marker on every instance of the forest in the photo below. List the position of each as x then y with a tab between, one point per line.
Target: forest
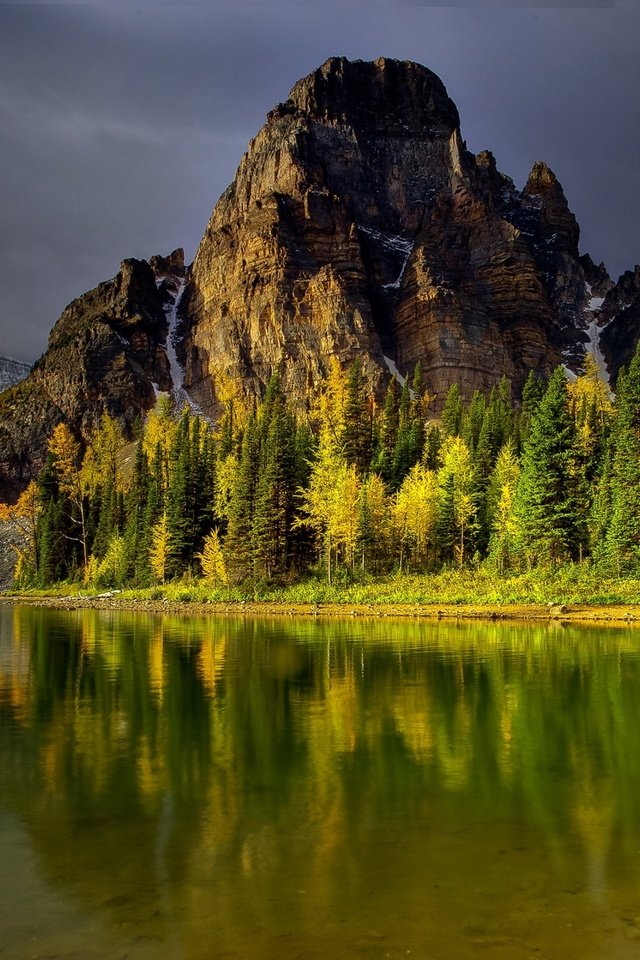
348	491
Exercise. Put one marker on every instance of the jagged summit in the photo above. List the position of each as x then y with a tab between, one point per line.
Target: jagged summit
393	97
357	225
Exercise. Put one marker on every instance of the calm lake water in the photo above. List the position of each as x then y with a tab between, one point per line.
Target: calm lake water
206	788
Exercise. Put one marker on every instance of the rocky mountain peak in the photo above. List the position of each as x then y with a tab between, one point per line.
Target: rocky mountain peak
358	225
173	265
555	221
394	97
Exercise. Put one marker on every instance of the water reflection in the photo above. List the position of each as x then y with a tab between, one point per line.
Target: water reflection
362	788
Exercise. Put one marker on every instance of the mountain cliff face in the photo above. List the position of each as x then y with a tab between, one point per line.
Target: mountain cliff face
12	372
357	225
620	321
107	352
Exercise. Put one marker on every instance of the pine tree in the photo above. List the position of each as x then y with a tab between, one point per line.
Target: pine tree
136	534
622	542
52	561
383	458
452	412
473	420
357	432
550	524
238	548
409	438
431	458
273	512
179	502
532	394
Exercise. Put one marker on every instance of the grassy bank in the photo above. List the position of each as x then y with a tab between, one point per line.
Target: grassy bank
566	586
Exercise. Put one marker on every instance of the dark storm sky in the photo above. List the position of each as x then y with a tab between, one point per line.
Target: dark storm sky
121	124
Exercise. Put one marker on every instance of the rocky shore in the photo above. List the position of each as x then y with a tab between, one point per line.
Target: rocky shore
563	613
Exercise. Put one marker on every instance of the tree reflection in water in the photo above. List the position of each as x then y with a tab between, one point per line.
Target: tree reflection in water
282	785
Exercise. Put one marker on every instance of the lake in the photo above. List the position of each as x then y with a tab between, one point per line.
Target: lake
211	788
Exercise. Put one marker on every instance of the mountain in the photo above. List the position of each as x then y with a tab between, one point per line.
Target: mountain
12	372
357	225
108	351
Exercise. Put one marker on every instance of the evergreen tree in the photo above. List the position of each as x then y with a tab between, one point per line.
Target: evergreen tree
238	549
409	437
549	518
136	534
383	459
431	458
452	412
52	563
179	502
273	512
357	432
473	420
532	394
622	542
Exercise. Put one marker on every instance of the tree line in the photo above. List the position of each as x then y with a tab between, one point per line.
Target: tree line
350	489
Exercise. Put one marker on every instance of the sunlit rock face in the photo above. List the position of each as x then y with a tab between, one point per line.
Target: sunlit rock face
359	225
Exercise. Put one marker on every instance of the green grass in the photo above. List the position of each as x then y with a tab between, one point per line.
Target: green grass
570	584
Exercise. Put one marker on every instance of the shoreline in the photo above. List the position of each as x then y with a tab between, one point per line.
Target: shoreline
564	613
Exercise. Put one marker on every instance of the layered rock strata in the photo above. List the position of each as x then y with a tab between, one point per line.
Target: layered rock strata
358	224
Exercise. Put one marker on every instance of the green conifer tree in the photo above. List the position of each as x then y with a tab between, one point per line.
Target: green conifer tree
548	512
357	434
274	498
622	541
532	394
238	548
452	412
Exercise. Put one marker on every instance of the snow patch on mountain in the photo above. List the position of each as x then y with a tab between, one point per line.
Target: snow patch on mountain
175	289
594	331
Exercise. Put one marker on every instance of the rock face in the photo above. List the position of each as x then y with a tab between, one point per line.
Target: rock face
620	320
12	372
357	225
106	353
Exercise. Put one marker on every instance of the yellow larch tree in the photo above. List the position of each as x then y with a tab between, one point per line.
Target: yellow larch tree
22	520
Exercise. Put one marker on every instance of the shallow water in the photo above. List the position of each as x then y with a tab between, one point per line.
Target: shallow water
210	788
